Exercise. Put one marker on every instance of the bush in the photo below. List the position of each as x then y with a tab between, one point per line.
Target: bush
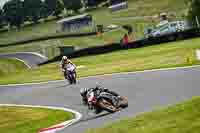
194	11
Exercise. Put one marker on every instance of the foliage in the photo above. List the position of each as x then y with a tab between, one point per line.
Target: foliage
50	6
74	5
91	3
55	7
194	11
58	8
14	12
1	18
32	8
44	10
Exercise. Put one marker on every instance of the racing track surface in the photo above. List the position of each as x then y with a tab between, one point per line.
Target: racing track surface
31	59
145	91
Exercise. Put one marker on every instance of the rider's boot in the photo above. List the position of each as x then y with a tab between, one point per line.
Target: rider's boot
97	111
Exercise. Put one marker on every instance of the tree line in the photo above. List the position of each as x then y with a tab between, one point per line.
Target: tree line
15	12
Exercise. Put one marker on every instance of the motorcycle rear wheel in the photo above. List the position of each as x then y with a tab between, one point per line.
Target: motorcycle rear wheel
123	102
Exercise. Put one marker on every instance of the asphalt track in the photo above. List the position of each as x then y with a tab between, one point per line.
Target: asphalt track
145	91
31	59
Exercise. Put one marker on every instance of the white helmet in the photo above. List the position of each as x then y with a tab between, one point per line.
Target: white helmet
64	58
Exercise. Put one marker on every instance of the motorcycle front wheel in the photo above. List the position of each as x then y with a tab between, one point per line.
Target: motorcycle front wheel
71	77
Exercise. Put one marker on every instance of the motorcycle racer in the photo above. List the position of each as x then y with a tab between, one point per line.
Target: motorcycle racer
66	64
88	95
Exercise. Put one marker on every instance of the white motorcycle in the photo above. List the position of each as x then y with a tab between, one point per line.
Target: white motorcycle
70	73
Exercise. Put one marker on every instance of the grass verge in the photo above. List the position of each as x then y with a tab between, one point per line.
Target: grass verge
9	66
175	54
180	118
30	120
50	48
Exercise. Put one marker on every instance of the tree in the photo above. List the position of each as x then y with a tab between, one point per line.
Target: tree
59	8
51	6
44	10
1	18
55	7
91	3
32	9
14	13
194	11
100	1
74	5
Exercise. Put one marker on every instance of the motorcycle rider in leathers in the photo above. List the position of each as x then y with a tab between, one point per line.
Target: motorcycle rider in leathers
85	91
65	62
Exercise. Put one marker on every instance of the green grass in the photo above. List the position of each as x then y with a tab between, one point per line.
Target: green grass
28	32
180	118
9	66
166	55
30	120
50	48
34	31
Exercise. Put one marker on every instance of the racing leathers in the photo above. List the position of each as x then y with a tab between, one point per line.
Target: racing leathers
96	91
66	66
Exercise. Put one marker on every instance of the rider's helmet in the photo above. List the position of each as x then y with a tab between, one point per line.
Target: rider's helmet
83	92
64	58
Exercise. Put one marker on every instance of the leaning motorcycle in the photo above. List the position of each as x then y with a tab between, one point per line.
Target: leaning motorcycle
70	73
106	101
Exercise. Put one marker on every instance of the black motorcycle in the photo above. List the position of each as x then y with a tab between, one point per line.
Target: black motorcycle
106	101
